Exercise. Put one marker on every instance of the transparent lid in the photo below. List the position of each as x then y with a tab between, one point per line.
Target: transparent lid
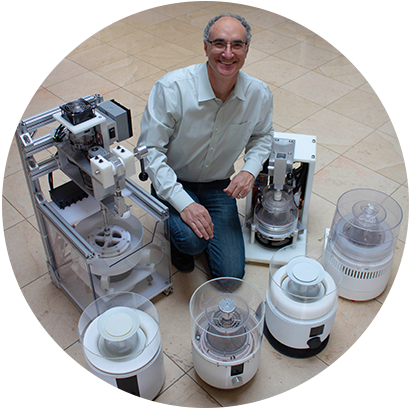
302	288
118	326
366	224
226	314
277	215
276	200
227	318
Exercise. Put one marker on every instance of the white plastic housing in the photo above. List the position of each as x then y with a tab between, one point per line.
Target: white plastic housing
103	171
113	264
362	241
122	343
128	159
301	299
227	316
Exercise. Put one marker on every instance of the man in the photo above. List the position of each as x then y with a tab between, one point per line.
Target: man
197	122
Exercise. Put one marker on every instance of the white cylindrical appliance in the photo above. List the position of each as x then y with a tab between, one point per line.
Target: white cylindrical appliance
301	302
227	327
362	242
122	343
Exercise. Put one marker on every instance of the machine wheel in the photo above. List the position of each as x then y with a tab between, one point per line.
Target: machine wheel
168	291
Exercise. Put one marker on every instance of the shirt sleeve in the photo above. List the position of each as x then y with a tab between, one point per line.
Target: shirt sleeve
259	145
157	127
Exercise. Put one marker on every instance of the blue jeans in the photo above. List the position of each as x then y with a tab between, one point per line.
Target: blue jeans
225	252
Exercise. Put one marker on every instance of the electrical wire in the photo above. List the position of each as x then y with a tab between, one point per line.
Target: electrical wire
59	134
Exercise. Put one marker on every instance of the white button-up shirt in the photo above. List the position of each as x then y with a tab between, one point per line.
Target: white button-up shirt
193	136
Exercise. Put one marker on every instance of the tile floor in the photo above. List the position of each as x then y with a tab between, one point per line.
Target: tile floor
316	91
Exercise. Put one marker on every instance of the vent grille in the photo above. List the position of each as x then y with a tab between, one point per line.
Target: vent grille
78	111
357	273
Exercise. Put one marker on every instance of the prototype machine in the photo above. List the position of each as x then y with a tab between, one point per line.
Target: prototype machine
362	242
227	316
277	209
122	343
301	302
79	176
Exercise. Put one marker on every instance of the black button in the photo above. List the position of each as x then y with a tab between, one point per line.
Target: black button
316	331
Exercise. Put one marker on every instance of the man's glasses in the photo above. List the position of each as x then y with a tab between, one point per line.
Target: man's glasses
221	45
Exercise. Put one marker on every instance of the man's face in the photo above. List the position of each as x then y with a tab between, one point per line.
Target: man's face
226	63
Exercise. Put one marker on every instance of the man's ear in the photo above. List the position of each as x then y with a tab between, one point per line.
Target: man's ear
206	48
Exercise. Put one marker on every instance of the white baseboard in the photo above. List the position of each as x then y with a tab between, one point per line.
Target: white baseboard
376	42
19	53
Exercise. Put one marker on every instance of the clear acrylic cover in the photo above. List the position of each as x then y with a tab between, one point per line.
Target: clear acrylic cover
227	319
302	289
118	326
366	225
277	215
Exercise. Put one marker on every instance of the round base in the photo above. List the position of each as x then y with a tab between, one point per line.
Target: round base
291	351
356	296
271	244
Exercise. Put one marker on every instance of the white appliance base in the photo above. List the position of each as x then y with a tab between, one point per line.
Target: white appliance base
256	253
297	338
226	375
145	383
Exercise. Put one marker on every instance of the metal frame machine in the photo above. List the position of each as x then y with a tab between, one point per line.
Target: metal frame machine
102	233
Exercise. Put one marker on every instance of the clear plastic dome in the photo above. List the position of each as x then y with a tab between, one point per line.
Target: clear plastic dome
276	215
119	327
227	319
302	289
366	225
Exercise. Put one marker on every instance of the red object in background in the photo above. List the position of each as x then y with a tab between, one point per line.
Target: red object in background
321	5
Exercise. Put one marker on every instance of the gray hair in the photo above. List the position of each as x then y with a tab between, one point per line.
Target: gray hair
239	18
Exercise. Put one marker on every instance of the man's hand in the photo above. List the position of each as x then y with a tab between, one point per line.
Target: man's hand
197	217
240	185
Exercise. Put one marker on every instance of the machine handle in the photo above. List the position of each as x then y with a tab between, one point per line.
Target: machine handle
143	176
140	152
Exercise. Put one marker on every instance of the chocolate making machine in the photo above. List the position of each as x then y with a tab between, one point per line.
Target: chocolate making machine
102	232
277	208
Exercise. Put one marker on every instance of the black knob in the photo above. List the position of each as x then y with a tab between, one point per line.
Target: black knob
314	343
143	176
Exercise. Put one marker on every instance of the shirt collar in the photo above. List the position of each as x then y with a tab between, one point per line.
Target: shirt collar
205	91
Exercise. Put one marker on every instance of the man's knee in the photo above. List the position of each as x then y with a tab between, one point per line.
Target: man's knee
189	243
232	265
